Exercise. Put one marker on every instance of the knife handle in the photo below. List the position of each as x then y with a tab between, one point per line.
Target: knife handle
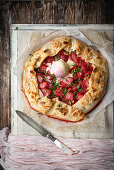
60	144
63	147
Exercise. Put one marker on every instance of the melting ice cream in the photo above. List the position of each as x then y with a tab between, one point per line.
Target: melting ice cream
59	69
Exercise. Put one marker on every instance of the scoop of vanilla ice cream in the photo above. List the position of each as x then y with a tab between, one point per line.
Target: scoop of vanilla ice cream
59	68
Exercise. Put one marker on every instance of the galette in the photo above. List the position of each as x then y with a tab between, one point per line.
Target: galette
65	79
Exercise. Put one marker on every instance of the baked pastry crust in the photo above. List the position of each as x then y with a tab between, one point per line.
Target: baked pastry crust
97	81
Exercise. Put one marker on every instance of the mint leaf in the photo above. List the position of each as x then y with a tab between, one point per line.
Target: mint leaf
69	102
55	85
76	70
57	57
65	91
31	54
87	117
80	89
74	93
53	95
74	64
78	86
59	105
73	84
39	69
77	80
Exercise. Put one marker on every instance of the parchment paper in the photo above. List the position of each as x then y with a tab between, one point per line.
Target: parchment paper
96	120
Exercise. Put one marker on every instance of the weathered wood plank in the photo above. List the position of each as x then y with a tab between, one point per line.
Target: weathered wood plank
72	12
5	68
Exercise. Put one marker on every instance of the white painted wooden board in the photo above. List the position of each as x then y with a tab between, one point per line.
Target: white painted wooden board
18	127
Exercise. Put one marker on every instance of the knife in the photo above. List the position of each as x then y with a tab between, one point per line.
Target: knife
43	132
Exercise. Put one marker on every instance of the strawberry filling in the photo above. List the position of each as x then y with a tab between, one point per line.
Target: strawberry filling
69	89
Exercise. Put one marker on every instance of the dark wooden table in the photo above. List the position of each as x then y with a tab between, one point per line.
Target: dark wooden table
42	12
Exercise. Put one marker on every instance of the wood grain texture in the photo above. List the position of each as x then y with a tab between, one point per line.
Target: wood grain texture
42	12
39	153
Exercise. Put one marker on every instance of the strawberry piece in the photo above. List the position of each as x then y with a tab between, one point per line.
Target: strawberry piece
69	89
48	78
81	82
48	73
43	67
46	92
61	52
79	96
49	59
39	77
75	77
50	85
80	74
43	84
90	66
86	64
86	83
88	73
60	88
79	61
58	93
67	80
73	57
64	85
84	90
71	70
82	62
63	99
64	57
84	68
74	88
70	96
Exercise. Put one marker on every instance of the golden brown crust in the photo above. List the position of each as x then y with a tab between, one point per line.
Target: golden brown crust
97	81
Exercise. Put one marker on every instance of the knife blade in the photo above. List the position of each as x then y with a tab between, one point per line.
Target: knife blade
43	132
